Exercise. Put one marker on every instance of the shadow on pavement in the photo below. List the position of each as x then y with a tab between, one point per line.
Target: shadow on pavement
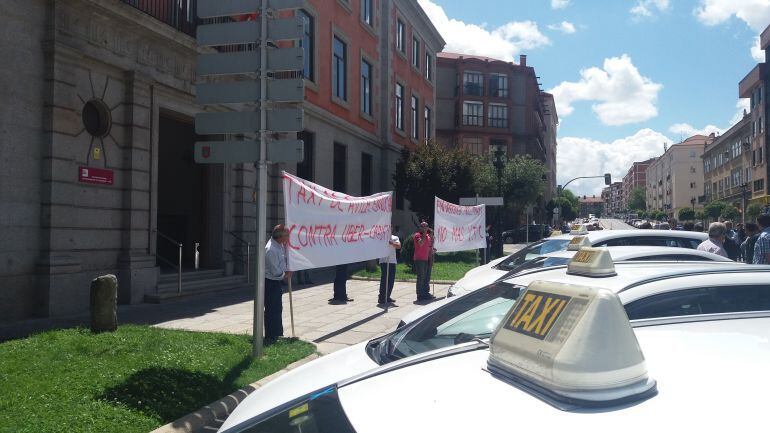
349	327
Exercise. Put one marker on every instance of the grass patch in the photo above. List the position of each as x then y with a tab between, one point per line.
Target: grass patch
132	380
448	266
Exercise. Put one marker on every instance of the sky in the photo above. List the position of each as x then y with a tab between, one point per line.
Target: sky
627	75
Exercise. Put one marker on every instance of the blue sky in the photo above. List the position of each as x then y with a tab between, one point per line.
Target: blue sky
627	75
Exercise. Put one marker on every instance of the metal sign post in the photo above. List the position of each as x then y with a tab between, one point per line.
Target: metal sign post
231	74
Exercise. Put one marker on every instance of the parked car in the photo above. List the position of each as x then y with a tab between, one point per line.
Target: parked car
519	235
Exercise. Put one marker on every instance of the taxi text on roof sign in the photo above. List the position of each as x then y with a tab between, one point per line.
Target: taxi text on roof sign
536	312
577	242
572	346
591	262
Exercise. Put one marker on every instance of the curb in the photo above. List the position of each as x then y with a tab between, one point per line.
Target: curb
400	280
220	409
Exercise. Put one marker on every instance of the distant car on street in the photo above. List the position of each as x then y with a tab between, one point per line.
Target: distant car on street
519	235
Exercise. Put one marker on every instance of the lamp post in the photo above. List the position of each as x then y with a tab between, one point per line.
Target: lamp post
744	187
498	160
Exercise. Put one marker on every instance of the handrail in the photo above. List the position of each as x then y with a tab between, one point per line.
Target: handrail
248	255
179	245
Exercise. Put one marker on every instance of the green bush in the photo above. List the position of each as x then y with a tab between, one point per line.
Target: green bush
753	210
686	214
730	213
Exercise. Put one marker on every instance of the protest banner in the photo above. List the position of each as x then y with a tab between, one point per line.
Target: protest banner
328	228
459	228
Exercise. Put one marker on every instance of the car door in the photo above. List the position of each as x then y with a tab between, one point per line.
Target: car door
702	300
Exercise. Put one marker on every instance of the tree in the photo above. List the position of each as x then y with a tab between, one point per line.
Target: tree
430	170
637	200
714	209
568	204
642	214
730	213
522	180
658	215
700	215
753	210
686	214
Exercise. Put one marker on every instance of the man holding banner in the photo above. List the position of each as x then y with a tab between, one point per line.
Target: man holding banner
459	228
275	272
388	268
423	250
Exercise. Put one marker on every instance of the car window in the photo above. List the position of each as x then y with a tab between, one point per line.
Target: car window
473	315
531	252
671	257
318	412
654	241
708	300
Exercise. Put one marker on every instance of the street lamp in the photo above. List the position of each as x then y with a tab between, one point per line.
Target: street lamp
744	187
499	159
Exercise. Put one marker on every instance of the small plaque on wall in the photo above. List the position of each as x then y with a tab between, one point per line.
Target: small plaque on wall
97	176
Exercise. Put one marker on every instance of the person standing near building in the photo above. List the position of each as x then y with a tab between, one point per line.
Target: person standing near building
388	269
762	246
340	285
747	247
276	270
423	250
715	242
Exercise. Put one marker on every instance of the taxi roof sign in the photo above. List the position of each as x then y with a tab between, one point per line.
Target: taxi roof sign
592	262
577	242
571	345
579	229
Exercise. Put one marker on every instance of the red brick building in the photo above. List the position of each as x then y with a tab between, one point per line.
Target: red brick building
635	178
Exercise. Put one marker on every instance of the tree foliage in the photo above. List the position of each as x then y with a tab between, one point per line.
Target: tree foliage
568	204
700	215
753	210
730	213
429	171
714	209
522	180
686	214
637	200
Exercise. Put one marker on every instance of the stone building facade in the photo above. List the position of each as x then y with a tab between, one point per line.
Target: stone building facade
97	171
727	166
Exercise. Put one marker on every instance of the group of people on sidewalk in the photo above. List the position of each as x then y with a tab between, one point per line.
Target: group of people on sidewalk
749	243
276	272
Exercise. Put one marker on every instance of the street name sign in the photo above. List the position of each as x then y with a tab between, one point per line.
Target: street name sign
247	32
245	62
236	92
244	122
473	201
239	151
226	8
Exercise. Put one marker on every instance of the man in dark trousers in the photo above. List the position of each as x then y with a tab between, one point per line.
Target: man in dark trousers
423	250
276	271
340	283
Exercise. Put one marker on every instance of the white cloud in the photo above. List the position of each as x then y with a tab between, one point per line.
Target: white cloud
621	93
685	130
564	27
741	106
755	13
757	53
647	8
501	43
559	4
586	157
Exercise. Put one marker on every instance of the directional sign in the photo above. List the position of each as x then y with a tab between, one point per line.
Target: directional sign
224	8
240	151
242	122
244	62
247	32
473	201
289	90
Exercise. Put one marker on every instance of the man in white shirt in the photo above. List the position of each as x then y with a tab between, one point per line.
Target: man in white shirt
388	268
276	270
715	242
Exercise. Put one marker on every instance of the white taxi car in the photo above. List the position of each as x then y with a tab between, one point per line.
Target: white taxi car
664	291
489	273
565	357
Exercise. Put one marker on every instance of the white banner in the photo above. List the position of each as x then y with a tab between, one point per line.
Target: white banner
459	228
328	228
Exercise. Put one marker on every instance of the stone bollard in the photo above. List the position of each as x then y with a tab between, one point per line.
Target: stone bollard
104	303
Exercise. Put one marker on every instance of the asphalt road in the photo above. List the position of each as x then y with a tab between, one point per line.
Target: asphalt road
614	224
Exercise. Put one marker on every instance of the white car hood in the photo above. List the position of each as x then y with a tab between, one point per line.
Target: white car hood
307	378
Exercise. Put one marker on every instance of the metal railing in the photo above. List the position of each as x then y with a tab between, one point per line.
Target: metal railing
178	266
179	14
247	261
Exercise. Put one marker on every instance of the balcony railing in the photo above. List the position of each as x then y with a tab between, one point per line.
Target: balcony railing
179	14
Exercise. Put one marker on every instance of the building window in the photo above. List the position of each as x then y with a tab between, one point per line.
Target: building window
367	11
305	168
428	67
308	45
366	87
415	53
415	118
399	106
759	156
428	123
366	174
340	168
498	86
473	84
473	113
400	36
498	116
474	145
339	64
759	185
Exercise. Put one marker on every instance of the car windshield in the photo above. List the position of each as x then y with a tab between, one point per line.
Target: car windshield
475	315
531	252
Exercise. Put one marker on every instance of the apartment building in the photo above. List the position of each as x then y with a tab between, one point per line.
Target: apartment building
102	179
675	179
590	205
754	86
635	178
728	165
613	199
